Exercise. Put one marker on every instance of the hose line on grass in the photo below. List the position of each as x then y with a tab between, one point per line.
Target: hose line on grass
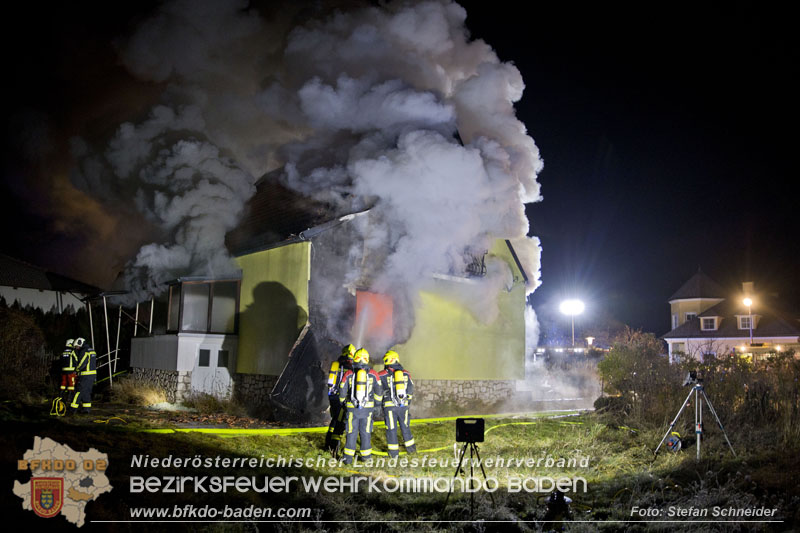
107	420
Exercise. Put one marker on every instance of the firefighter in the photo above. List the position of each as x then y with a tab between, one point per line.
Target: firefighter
86	369
338	368
360	389
397	392
68	372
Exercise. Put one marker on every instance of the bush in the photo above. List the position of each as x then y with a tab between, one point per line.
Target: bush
211	405
27	366
647	391
137	392
640	376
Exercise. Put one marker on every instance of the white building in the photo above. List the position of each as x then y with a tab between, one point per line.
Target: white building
708	321
33	287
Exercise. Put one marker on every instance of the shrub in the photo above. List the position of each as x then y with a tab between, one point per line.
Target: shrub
647	391
27	366
137	392
209	404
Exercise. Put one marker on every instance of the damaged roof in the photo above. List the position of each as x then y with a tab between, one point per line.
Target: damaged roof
274	215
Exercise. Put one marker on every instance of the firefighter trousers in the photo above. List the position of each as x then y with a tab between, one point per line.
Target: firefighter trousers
398	417
67	386
359	424
83	393
336	427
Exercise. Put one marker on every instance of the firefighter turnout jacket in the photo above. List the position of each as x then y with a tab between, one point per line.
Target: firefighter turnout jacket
87	373
336	427
338	368
398	389
68	362
360	389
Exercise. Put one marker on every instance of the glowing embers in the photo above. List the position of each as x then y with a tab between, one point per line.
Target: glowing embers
374	317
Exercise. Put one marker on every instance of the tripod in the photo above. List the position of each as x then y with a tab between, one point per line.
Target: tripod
473	448
697	390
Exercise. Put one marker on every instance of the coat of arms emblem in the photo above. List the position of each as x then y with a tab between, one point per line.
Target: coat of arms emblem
47	495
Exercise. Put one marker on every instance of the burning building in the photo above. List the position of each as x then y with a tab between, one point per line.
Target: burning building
390	211
306	285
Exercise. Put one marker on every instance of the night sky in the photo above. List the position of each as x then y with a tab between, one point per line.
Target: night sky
669	139
668	133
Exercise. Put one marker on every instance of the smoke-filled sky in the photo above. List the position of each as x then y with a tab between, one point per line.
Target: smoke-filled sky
666	136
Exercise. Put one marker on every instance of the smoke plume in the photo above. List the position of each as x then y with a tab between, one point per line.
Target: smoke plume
393	109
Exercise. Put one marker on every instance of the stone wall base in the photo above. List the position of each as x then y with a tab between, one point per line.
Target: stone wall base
175	384
454	397
432	397
252	390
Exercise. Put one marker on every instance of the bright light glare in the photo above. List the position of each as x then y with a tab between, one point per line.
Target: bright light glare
571	307
748	302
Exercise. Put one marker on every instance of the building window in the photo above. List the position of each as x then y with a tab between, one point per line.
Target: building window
224	299
708	356
708	323
222	359
204	307
689	316
674	321
205	358
195	307
744	322
174	307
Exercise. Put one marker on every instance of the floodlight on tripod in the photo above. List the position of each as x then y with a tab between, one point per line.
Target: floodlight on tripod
469	431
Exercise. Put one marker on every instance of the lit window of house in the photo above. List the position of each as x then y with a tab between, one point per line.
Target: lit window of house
744	322
708	323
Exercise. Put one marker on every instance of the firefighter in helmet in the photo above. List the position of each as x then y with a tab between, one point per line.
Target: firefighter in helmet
338	368
397	392
68	375
360	389
86	369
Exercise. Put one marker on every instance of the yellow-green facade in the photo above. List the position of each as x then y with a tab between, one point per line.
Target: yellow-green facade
449	342
273	306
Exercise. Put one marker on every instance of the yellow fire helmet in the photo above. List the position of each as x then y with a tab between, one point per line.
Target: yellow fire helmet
361	356
349	351
391	358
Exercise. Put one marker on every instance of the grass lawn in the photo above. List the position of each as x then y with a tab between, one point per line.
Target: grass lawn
617	464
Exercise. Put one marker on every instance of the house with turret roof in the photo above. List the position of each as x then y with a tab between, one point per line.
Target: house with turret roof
710	321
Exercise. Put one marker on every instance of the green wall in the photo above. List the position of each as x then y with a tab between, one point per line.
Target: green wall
273	306
448	342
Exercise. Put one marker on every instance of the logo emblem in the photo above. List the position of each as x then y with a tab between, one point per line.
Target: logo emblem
47	495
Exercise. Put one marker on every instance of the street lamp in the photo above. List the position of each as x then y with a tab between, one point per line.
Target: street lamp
748	302
572	308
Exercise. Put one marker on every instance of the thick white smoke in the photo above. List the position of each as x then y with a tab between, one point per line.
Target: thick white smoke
392	108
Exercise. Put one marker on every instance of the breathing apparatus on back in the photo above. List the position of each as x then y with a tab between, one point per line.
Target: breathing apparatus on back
360	390
396	378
